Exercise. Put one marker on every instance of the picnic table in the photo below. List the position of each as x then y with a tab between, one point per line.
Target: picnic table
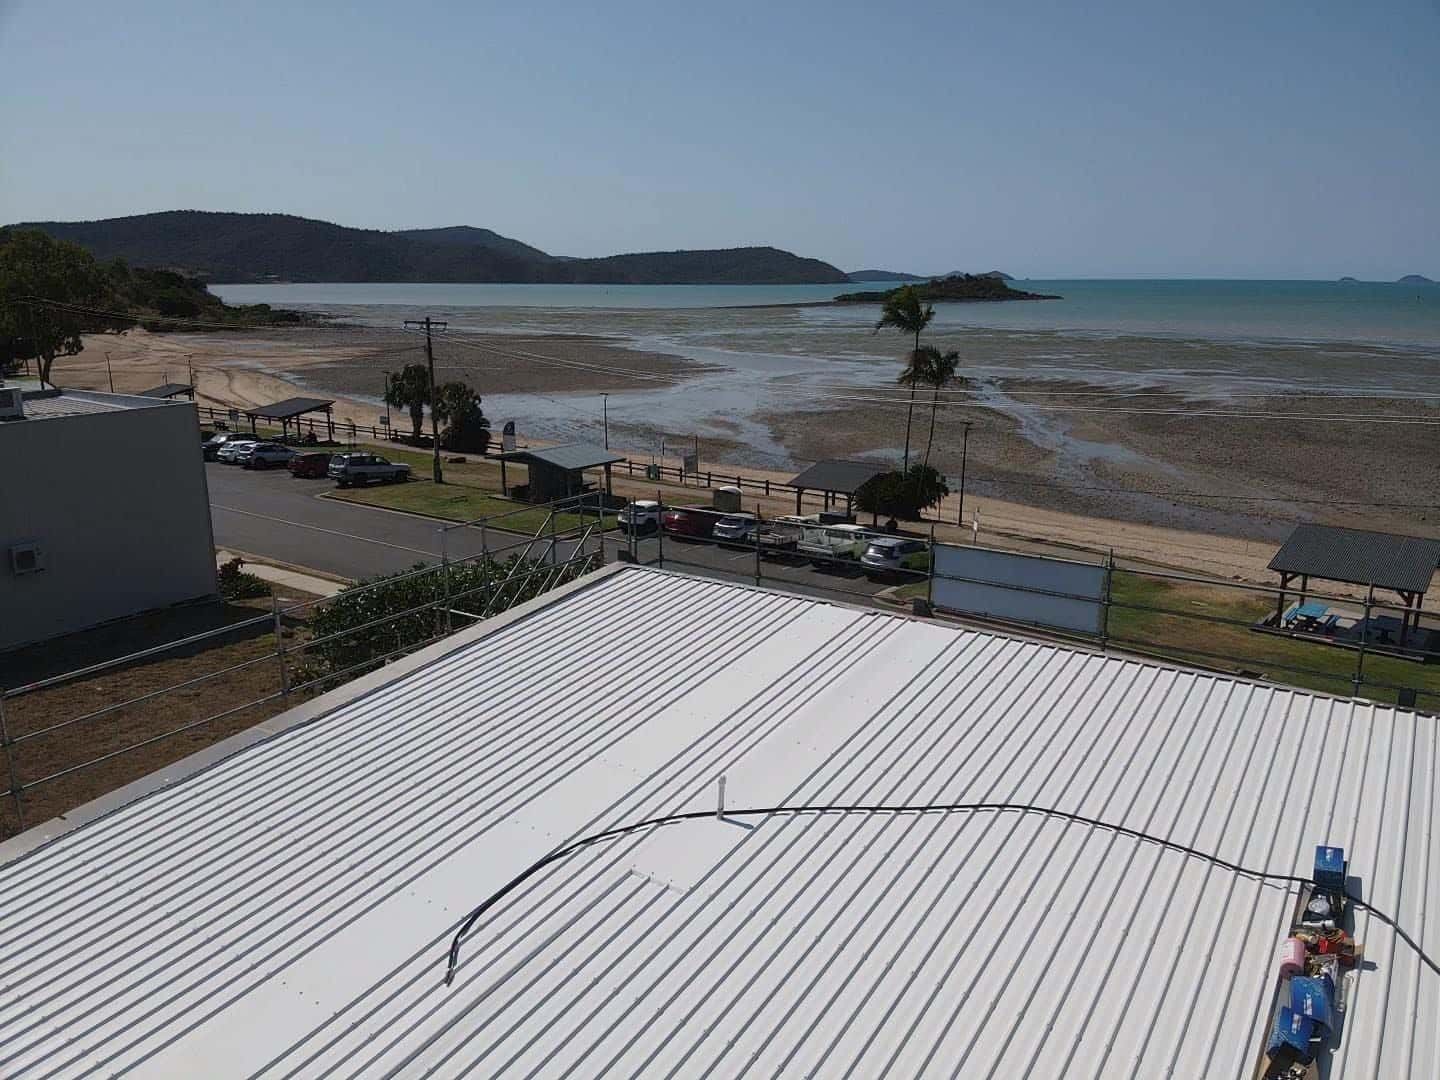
1309	616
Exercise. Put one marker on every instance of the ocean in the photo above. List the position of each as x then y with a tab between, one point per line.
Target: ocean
1293	311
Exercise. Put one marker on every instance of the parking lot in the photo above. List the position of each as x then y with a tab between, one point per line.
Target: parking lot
273	515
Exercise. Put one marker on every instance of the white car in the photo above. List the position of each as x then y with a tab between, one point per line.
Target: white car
735	529
264	455
230	453
887	554
641	516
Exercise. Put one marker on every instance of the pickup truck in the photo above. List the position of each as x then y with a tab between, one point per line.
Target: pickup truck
824	545
347	469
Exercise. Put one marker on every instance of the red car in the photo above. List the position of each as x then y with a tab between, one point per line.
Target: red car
689	522
309	466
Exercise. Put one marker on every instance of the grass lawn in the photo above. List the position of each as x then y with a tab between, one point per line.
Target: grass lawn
1171	631
456	502
1325	667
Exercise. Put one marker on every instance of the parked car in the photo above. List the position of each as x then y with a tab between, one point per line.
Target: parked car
213	445
690	522
309	466
735	529
347	469
229	454
641	516
886	555
827	545
265	455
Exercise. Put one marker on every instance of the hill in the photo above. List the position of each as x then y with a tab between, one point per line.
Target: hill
883	275
1415	279
225	247
954	287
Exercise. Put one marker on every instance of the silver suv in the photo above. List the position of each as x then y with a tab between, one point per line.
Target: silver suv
347	469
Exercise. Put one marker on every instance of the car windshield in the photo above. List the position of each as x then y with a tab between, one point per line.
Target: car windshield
884	551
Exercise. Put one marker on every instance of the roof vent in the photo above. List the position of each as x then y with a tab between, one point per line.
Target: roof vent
12	403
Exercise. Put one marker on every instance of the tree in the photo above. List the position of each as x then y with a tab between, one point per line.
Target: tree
466	427
34	266
939	371
903	311
901	494
410	389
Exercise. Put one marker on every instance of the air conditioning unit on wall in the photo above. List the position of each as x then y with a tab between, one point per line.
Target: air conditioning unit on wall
12	403
26	559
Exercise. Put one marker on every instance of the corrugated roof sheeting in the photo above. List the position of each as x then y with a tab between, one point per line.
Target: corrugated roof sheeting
1360	557
287	912
566	456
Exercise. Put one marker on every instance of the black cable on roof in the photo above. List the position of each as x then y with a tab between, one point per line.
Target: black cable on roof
920	808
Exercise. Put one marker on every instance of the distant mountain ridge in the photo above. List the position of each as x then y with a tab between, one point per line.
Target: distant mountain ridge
229	247
883	275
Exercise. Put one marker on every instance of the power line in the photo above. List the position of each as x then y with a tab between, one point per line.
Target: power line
564	851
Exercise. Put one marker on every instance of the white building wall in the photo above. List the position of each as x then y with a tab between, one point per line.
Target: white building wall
118	503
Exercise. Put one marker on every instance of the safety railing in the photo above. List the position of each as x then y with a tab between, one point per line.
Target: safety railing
303	661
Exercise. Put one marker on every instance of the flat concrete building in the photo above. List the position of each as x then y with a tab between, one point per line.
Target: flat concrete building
104	510
282	905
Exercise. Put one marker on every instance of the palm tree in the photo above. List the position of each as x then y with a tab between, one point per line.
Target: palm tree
903	311
410	389
939	370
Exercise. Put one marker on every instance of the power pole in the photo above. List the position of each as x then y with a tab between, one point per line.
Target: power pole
429	324
109	373
605	407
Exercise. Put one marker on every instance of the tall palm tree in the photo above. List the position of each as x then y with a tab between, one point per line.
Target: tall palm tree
939	371
904	311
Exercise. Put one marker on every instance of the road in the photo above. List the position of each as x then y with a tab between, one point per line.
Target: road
272	515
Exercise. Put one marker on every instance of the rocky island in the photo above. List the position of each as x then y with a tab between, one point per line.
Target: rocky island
954	287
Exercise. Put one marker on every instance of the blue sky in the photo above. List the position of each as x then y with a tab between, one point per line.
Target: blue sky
1147	139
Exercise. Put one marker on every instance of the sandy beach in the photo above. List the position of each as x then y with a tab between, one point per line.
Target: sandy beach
1206	492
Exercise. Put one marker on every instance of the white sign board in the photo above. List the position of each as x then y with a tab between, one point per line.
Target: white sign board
1021	588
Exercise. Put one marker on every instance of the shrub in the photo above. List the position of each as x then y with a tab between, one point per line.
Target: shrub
408	609
235	584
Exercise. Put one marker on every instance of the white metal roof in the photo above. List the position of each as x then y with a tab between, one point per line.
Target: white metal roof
66	403
286	911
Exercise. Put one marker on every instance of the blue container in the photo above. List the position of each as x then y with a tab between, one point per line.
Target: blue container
1314	997
1330	868
1290	1038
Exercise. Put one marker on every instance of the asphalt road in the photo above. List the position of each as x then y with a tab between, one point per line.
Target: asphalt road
274	516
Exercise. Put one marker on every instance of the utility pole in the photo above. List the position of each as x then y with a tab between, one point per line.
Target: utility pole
964	456
387	402
605	411
429	324
110	373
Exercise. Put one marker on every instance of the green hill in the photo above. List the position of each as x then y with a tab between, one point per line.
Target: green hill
225	247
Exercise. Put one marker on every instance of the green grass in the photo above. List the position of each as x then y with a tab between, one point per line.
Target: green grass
1172	631
455	502
1308	664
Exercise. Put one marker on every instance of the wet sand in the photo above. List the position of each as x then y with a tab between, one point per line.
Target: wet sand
1164	484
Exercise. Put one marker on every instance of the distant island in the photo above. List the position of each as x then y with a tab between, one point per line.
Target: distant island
954	287
1349	281
1415	279
225	247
